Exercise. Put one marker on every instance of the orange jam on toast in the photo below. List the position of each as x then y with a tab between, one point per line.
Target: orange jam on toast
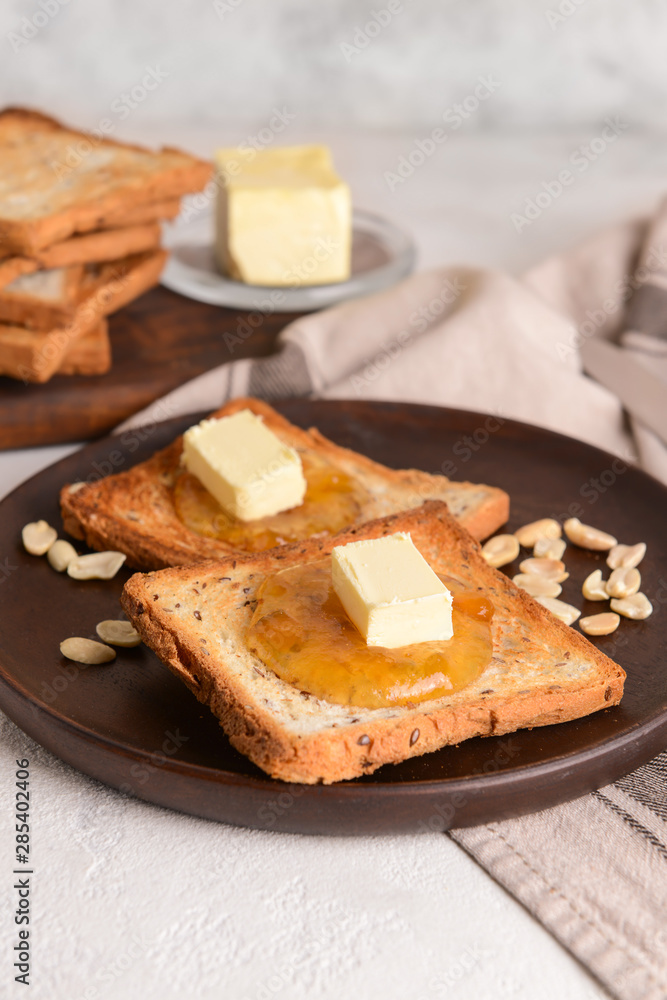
333	501
301	631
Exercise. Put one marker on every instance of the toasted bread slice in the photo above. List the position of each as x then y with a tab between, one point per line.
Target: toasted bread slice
196	619
43	299
138	215
90	354
58	181
134	511
13	267
101	245
35	355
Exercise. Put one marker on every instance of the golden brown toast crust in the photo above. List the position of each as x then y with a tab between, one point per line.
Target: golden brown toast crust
133	511
542	671
151	211
27	309
103	244
90	354
35	355
115	188
14	267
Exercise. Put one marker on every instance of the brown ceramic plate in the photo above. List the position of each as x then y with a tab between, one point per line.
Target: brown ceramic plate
134	726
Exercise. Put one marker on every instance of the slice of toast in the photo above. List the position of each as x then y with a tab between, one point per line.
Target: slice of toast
196	619
90	354
43	299
58	181
35	355
138	215
134	511
101	245
13	267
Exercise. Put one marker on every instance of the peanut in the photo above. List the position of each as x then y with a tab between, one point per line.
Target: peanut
624	582
636	606
567	613
588	537
38	537
500	550
626	556
96	566
529	533
603	624
549	548
60	555
552	569
594	588
537	585
86	650
118	633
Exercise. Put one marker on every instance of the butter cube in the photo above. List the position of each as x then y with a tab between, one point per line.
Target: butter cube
284	217
390	592
244	465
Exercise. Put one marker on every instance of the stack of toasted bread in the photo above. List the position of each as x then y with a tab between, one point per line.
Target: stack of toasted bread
79	238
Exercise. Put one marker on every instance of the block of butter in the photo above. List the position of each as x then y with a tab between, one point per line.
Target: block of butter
284	217
244	465
390	592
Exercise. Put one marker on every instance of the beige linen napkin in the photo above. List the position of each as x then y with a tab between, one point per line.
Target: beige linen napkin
593	871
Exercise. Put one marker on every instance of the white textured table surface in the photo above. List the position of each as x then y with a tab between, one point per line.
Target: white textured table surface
132	901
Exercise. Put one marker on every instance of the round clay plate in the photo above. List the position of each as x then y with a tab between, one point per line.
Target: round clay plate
381	255
133	725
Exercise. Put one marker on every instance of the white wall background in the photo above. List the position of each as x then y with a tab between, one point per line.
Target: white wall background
235	63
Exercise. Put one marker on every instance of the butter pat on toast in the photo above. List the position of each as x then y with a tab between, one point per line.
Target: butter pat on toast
135	511
197	620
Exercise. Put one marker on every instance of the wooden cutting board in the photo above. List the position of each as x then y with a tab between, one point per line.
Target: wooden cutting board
158	342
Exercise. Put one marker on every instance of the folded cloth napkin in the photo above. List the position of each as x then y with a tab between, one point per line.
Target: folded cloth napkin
593	871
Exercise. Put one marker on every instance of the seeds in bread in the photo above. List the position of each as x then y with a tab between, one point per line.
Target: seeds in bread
196	619
134	511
